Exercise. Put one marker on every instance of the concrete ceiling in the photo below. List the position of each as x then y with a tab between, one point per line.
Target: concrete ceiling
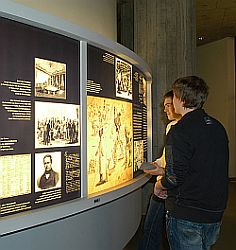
215	20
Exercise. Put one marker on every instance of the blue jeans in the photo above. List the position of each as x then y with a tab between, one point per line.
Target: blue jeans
187	235
153	226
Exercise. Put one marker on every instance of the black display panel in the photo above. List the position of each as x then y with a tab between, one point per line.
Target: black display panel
140	128
117	120
40	118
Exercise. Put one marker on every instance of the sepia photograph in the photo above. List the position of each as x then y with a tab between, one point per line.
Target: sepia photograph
138	154
56	125
123	79
15	175
109	143
47	171
50	79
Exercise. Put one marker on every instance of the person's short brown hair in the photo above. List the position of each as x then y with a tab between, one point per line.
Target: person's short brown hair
192	90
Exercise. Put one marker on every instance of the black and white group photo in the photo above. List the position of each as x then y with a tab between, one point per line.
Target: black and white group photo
56	125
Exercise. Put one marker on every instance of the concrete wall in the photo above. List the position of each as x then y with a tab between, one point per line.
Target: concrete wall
216	65
164	36
97	16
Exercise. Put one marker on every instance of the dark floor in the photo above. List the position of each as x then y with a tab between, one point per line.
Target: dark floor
227	239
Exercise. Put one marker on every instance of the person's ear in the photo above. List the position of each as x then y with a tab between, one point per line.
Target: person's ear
182	103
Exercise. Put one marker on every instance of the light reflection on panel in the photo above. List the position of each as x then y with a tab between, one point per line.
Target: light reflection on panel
110	143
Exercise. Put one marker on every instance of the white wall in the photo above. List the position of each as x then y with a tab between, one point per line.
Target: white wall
216	65
95	15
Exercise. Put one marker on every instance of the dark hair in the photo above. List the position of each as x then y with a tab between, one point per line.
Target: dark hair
169	94
48	155
192	90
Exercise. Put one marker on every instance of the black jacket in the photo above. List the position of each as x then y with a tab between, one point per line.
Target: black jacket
51	181
197	168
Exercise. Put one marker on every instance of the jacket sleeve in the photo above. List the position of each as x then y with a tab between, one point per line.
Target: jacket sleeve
178	152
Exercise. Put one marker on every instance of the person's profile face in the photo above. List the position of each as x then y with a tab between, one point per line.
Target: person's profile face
169	108
47	163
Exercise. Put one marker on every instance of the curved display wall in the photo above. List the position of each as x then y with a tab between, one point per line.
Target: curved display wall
75	119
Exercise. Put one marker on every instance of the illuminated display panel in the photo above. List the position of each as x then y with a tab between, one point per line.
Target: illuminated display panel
39	112
40	151
117	120
110	143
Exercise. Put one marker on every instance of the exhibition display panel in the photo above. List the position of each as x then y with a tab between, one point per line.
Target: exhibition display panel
75	113
40	118
116	120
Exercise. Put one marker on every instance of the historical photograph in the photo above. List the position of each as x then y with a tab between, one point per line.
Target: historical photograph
15	175
138	154
123	79
50	79
47	170
110	143
56	125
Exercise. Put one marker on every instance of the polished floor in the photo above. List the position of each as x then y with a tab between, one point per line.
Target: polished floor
227	239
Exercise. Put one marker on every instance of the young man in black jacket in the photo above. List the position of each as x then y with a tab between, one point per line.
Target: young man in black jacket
196	175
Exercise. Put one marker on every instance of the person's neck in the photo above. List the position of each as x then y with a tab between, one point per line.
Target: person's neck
178	117
186	110
48	171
